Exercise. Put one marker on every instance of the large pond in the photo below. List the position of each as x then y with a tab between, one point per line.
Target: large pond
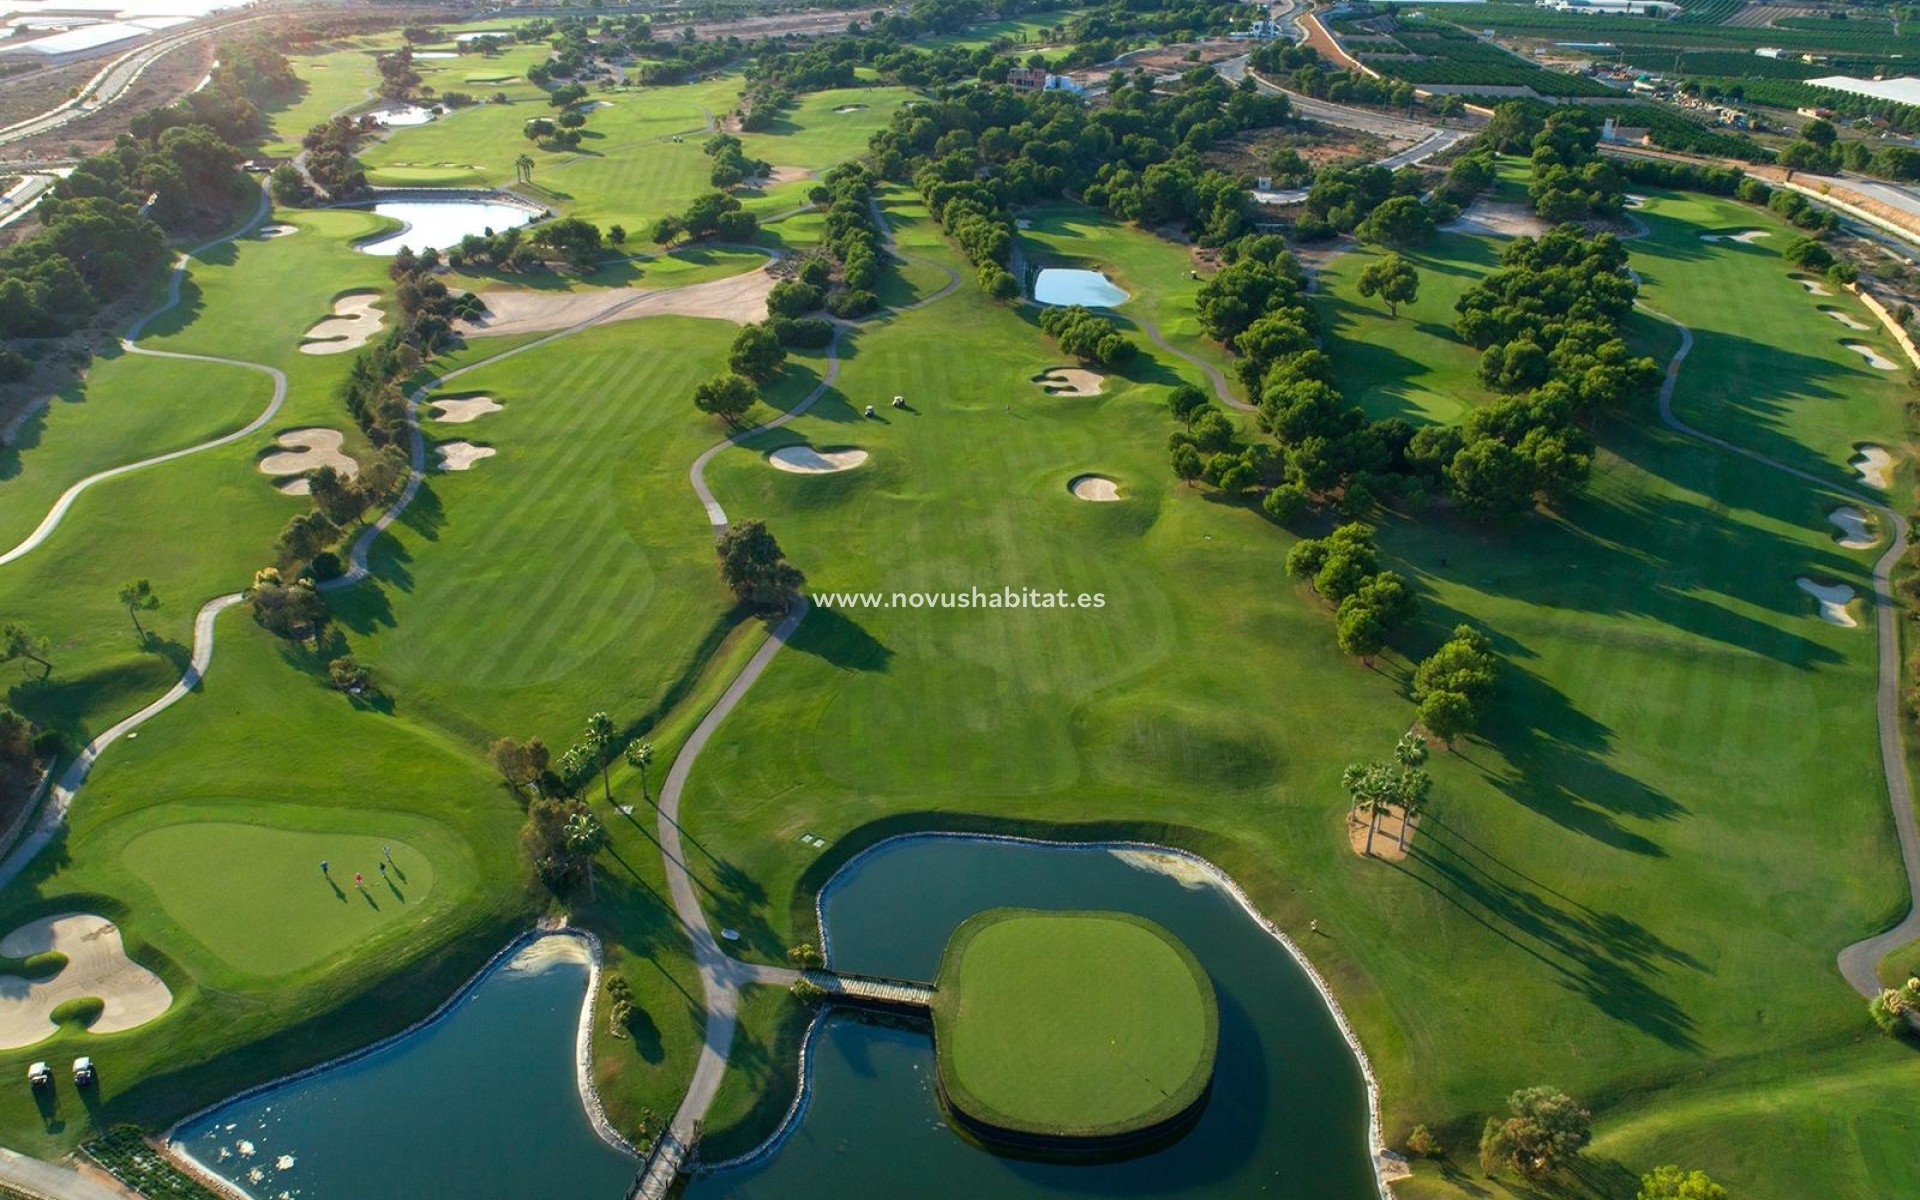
1062	286
483	1105
1287	1118
442	223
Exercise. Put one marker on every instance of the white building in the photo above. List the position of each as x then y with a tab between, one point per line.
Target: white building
1611	8
1904	89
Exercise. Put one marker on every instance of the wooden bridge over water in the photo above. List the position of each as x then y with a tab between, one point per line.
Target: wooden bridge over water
873	992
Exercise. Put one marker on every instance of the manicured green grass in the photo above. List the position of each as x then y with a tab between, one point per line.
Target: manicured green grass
1075	1024
812	134
256	896
1786	385
1030	30
1409	366
329	83
1630	852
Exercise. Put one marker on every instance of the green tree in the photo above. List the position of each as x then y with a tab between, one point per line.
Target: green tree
1672	1183
1446	715
510	758
726	396
755	570
1397	221
1393	279
585	837
1542	1135
756	353
640	756
17	642
523	168
138	597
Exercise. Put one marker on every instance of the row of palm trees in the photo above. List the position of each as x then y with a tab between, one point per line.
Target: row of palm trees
1402	784
585	834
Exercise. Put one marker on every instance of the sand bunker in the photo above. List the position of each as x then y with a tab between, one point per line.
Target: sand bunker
1636	201
741	299
1833	598
464	409
1498	220
805	460
1745	236
97	965
1070	381
354	322
304	450
1844	319
460	456
1874	358
1814	286
1875	466
850	108
278	231
1097	488
1855	534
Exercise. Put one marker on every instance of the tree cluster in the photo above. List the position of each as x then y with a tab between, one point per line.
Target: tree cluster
1453	686
1345	199
1344	568
715	214
1087	336
331	164
1549	326
731	166
1544	1133
1380	787
96	244
852	239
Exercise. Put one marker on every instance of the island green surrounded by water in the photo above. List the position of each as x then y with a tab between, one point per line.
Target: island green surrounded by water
1072	1027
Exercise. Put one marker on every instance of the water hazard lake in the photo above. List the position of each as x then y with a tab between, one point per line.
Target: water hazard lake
483	1105
441	223
1287	1117
1061	286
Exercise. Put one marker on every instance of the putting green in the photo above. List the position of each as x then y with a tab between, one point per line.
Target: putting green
256	898
1072	1025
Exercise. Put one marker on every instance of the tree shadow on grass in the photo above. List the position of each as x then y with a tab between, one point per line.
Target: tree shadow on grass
1607	958
842	642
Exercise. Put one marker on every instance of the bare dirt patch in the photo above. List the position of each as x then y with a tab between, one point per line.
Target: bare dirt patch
741	299
1498	220
1386	839
805	460
1070	381
97	965
354	321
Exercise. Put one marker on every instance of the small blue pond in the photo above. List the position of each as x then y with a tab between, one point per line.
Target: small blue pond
1060	286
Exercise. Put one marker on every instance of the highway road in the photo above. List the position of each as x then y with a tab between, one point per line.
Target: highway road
112	82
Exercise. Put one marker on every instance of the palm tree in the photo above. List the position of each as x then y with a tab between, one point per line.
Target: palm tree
138	597
1411	794
574	764
599	741
640	754
1410	750
523	168
585	836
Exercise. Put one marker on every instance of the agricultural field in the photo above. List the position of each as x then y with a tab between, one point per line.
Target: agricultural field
1440	54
